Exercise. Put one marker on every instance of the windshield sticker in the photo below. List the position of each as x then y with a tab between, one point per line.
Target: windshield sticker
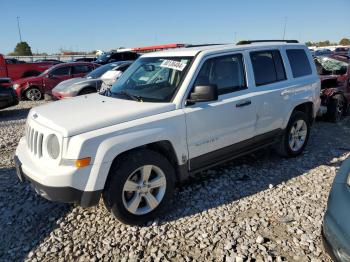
173	65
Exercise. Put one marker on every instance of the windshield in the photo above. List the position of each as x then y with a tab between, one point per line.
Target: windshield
98	72
328	66
103	58
152	79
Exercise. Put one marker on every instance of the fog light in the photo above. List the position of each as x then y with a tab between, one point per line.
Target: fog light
82	162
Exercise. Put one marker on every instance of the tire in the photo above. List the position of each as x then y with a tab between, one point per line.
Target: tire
87	90
336	108
298	121
134	206
31	73
33	94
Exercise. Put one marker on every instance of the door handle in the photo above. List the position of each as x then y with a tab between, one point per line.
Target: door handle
245	103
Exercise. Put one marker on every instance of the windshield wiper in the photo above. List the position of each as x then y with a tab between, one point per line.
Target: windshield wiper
133	97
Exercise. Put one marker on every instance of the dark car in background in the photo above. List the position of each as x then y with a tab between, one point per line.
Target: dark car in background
33	88
84	59
323	52
336	226
54	61
90	83
114	56
8	96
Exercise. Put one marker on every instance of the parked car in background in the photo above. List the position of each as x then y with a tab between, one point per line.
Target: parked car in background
336	226
13	61
19	70
113	56
8	97
323	52
171	114
84	59
33	88
335	87
54	61
91	82
342	51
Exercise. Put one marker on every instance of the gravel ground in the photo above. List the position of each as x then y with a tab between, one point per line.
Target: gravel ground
257	208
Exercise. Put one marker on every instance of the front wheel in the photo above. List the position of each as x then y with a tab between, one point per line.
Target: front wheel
295	136
139	187
33	94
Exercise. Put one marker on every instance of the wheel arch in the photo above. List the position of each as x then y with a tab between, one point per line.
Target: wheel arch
307	107
156	139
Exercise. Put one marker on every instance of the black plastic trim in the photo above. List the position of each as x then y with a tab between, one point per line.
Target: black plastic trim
225	154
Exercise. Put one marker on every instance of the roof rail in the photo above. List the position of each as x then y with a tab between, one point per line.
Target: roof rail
247	42
199	45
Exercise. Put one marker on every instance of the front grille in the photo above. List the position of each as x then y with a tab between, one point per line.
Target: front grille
34	141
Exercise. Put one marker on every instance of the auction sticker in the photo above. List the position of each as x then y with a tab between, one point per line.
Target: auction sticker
173	64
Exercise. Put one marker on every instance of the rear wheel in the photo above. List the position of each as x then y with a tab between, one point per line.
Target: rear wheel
295	136
139	187
33	94
336	108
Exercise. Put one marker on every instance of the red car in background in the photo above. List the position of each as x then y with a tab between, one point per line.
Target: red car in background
33	88
335	87
15	69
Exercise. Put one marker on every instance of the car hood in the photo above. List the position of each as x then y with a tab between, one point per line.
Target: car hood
27	79
90	112
66	84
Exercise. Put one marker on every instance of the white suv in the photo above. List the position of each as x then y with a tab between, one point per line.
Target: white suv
171	114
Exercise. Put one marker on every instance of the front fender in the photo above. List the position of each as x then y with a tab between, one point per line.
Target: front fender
112	147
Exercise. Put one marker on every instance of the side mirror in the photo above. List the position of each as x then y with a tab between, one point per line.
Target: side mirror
203	94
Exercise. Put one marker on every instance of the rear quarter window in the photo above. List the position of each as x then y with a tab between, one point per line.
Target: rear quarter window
299	62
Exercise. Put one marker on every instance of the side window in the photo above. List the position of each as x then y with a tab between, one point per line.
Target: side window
62	71
123	68
299	62
81	69
227	72
268	67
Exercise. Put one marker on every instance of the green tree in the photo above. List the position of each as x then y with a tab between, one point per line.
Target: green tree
344	41
22	49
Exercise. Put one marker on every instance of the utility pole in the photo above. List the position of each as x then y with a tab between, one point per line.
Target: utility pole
284	28
19	29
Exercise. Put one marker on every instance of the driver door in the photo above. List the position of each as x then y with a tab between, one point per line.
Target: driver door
56	76
218	129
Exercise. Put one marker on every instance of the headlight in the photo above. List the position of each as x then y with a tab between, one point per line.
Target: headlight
53	146
15	86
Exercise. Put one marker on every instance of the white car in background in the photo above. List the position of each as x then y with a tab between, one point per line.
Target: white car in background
102	77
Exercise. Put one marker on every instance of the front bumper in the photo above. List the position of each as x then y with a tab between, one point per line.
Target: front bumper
53	185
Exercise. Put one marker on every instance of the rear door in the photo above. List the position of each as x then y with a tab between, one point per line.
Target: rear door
271	88
215	130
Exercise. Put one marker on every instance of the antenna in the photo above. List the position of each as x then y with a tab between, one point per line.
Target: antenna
284	28
19	29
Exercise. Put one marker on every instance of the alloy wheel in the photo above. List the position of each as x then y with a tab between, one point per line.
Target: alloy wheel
297	135
144	189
